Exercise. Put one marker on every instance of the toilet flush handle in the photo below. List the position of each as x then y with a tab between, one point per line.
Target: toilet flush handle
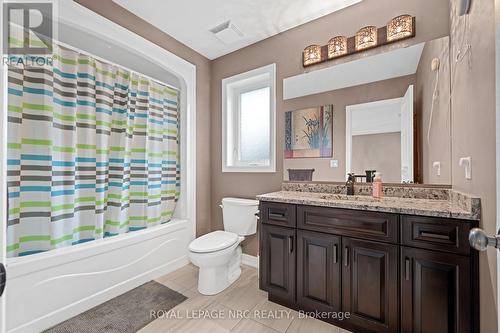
221	206
257	214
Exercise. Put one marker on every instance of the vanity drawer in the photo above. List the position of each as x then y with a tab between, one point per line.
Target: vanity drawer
278	214
346	222
436	233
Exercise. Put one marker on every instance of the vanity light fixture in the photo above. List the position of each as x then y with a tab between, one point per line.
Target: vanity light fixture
400	27
366	37
312	54
337	46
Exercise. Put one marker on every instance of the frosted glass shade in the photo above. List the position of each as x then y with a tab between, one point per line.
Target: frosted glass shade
366	37
400	27
312	54
337	46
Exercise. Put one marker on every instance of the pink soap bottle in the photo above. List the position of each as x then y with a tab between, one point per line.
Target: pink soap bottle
377	185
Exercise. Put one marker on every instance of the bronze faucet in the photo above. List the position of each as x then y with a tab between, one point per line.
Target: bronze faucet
351	180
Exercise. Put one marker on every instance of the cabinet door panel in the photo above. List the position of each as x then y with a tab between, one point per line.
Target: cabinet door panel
434	233
347	222
277	261
279	214
370	284
318	271
435	292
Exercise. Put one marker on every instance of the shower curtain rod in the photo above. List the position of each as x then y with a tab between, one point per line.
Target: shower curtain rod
104	60
114	64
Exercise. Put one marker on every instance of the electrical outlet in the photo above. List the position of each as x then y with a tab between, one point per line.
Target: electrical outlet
334	163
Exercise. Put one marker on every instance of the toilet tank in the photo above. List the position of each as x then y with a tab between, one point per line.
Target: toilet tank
239	215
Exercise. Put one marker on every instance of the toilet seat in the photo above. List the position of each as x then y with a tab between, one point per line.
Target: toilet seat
214	241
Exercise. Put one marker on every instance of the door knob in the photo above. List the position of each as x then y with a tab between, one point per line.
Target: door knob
480	241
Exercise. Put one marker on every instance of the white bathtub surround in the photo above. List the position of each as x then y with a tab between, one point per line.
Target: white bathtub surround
47	288
218	254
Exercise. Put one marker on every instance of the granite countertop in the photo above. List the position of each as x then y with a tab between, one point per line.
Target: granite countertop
449	208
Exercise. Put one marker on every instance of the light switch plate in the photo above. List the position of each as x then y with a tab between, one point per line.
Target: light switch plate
334	163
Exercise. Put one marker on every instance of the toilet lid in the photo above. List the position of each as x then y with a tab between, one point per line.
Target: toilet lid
214	241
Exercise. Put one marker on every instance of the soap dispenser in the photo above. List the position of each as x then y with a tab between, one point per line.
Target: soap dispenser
377	185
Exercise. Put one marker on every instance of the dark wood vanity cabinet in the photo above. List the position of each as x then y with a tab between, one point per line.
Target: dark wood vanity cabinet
318	271
436	292
392	273
347	222
277	261
370	284
447	235
282	215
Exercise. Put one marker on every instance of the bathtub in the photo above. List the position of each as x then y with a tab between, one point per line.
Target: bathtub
47	288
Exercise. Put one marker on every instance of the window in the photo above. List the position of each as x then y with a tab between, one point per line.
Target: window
249	121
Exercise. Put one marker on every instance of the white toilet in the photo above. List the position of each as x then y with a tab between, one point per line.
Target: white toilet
218	254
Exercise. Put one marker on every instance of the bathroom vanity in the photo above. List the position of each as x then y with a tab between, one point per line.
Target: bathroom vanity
395	264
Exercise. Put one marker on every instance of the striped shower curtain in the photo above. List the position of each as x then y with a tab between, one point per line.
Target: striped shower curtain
93	151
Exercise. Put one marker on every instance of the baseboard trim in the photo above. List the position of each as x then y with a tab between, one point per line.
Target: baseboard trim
252	261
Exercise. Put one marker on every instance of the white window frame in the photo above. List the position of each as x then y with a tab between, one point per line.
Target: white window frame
232	88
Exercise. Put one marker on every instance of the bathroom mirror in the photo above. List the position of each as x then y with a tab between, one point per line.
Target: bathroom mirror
391	114
379	137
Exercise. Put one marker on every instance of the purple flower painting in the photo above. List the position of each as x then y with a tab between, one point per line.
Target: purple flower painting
309	132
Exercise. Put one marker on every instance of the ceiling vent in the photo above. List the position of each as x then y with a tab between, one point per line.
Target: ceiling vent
227	32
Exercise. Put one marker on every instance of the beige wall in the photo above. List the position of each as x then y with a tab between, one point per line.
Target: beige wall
387	89
285	50
381	152
436	144
473	132
121	16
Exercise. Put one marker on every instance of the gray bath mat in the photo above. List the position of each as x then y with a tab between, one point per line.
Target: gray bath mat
123	314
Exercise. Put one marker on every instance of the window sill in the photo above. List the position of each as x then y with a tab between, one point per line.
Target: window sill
250	169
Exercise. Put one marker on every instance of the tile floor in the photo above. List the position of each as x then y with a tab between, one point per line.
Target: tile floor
244	295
